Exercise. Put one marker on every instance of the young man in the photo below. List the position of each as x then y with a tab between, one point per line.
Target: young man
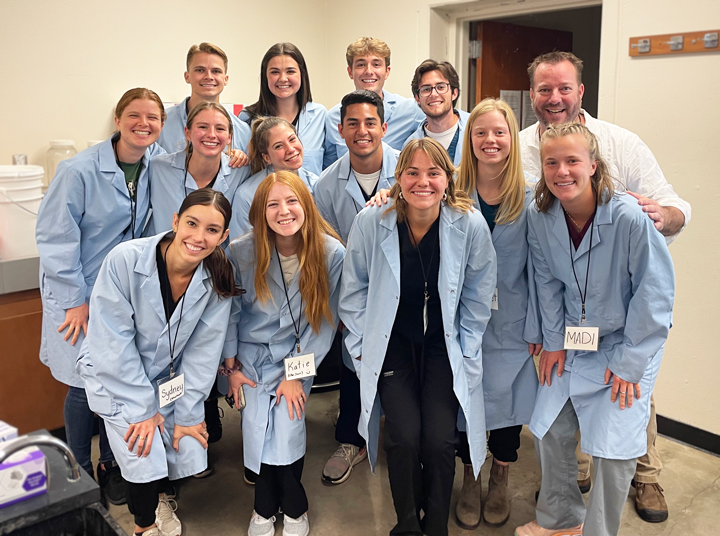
207	75
340	194
436	87
368	61
556	90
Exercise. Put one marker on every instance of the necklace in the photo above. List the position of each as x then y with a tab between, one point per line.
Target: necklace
579	227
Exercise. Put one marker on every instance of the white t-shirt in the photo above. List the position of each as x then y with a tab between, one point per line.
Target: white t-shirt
367	182
290	266
443	138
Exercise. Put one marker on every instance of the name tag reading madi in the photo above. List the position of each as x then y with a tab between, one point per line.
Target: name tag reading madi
301	366
581	338
170	389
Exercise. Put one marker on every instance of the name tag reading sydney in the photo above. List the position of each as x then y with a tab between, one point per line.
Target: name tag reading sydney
170	389
301	366
494	303
581	338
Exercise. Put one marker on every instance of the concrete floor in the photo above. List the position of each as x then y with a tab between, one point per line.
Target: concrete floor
222	504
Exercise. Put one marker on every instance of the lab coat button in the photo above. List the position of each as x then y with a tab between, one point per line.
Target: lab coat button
452	291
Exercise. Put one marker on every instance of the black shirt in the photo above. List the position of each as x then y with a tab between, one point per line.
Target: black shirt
168	303
489	212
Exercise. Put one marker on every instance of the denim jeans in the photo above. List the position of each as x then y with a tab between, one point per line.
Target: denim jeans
79	421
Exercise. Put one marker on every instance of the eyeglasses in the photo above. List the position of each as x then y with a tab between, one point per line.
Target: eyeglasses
441	89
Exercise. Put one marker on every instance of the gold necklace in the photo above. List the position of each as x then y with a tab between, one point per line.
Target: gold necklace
579	227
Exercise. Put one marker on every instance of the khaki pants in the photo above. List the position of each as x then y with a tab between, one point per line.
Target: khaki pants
648	466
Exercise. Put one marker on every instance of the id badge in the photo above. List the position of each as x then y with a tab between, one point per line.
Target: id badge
581	338
494	303
170	389
301	366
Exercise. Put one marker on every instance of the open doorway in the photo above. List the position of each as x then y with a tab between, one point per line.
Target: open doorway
508	44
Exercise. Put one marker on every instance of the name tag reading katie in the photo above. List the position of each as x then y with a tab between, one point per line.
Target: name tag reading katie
301	366
581	338
494	303
170	389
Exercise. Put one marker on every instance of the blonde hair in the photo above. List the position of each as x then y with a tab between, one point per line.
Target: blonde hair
456	199
194	113
366	46
208	48
600	181
512	178
314	280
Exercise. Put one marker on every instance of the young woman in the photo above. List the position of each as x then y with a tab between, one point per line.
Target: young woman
424	272
274	146
285	92
159	322
96	200
603	270
491	174
203	164
290	265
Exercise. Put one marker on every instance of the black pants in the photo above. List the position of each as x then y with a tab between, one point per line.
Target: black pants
503	444
420	434
142	499
279	486
346	430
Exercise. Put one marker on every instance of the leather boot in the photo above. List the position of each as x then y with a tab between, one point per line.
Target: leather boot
468	510
497	503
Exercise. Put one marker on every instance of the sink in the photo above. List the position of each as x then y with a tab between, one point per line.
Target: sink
91	520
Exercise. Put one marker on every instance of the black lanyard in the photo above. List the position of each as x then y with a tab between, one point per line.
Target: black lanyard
171	344
583	295
187	163
424	273
296	326
132	192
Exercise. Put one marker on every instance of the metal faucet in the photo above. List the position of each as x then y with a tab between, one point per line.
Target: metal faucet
11	447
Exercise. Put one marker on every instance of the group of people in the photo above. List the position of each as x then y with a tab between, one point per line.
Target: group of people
195	252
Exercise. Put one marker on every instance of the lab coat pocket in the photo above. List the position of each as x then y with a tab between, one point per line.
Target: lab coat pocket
514	349
99	399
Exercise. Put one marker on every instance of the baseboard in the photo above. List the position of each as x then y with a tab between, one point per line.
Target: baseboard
691	435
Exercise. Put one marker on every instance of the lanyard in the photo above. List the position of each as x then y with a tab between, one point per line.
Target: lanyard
296	326
424	273
184	182
132	192
453	144
171	344
355	205
583	295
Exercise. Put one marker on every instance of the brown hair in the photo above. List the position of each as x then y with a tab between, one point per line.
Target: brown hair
260	139
446	70
457	199
139	93
601	181
553	58
208	48
194	113
366	46
314	281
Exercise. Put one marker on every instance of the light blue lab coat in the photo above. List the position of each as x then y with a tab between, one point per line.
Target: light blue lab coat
85	213
262	335
244	195
168	191
311	131
172	137
371	283
127	350
509	377
630	296
401	115
463	116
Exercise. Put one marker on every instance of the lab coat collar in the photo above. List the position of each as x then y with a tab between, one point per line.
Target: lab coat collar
603	216
221	183
108	164
352	187
389	102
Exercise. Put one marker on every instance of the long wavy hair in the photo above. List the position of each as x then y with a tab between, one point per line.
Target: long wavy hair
456	199
601	181
314	281
512	178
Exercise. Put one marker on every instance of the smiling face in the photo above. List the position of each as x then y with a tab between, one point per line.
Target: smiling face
422	184
556	95
436	105
283	76
139	124
362	129
209	133
283	211
198	231
284	152
206	75
567	169
369	72
491	140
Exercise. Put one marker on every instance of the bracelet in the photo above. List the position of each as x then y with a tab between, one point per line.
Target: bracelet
224	370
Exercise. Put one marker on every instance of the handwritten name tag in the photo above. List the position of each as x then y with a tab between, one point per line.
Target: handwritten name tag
581	338
494	303
301	366
170	389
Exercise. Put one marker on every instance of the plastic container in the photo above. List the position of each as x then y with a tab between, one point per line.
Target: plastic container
20	196
59	150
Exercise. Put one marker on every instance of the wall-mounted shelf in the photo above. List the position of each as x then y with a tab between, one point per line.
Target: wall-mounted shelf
677	43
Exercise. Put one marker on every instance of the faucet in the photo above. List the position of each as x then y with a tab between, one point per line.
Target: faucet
10	447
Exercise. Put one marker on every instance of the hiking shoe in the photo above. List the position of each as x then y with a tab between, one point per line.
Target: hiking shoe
650	502
468	510
338	467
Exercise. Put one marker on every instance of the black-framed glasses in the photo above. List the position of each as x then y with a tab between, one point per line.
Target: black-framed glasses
441	89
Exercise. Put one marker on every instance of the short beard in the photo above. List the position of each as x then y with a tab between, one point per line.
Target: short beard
572	118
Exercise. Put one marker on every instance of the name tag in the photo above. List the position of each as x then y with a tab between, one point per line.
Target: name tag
170	389
301	366
494	303
581	338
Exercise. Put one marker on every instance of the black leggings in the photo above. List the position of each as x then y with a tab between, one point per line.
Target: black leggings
142	499
503	444
279	486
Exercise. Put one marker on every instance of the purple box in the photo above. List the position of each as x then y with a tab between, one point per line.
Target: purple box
23	475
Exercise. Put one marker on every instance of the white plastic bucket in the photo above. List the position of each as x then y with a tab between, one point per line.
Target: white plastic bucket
20	176
24	193
17	226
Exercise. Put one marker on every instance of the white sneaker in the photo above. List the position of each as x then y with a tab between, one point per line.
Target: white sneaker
259	526
296	527
167	522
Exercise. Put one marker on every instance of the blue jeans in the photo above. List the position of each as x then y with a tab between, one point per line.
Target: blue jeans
79	421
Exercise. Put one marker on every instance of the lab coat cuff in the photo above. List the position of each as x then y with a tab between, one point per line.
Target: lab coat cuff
629	369
135	418
553	342
229	349
188	421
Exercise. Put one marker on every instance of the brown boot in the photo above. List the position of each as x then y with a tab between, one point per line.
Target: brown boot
469	506
497	504
650	503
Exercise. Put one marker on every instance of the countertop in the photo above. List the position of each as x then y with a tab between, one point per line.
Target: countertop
19	274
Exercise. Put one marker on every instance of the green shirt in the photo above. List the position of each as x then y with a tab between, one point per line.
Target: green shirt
132	173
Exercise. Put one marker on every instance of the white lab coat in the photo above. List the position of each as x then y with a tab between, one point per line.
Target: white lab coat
369	298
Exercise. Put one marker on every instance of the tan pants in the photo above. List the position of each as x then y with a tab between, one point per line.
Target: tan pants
648	466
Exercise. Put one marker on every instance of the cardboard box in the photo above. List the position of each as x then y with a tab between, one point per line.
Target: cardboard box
22	475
